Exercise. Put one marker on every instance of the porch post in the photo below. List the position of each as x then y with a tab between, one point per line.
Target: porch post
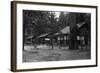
51	43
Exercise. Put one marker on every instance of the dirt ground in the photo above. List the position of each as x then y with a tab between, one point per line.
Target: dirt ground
37	55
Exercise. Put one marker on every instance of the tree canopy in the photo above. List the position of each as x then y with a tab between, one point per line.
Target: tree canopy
36	23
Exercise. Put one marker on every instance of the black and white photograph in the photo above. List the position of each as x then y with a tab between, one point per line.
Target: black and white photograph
55	36
48	36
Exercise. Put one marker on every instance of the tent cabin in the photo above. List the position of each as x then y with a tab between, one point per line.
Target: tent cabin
63	36
28	40
43	39
55	38
79	35
84	34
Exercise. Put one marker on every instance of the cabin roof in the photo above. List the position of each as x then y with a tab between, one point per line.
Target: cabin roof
65	30
43	35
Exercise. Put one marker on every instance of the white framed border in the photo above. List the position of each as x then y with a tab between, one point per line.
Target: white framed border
35	65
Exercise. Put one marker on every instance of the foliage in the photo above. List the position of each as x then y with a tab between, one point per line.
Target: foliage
36	23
